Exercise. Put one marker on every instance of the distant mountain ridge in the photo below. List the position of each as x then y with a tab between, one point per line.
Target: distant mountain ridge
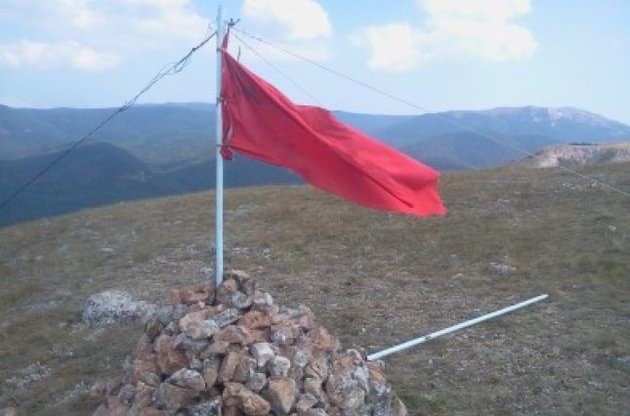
558	125
159	134
100	174
162	149
174	134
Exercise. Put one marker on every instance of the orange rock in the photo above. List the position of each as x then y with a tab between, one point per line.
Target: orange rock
144	396
260	335
238	396
190	297
145	370
244	367
234	334
175	397
281	393
255	320
321	340
318	368
228	366
210	375
305	402
314	386
215	348
306	319
168	358
198	316
347	382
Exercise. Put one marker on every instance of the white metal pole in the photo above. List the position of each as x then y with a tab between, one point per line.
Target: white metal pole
219	158
433	335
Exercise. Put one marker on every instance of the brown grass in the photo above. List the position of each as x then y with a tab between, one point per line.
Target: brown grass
374	279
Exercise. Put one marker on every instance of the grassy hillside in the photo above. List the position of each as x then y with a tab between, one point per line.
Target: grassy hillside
374	279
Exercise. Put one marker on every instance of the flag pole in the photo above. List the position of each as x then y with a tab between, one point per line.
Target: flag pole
219	158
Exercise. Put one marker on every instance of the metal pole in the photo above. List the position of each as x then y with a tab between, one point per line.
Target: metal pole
219	158
433	335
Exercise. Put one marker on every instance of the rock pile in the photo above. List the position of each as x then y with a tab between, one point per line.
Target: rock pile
231	351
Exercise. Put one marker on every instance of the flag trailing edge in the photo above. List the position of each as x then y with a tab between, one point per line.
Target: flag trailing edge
263	124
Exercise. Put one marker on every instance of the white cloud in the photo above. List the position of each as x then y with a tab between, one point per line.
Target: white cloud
301	26
298	19
477	29
52	55
97	34
164	20
78	13
91	60
394	47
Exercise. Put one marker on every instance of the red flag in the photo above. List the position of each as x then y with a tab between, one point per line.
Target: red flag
260	122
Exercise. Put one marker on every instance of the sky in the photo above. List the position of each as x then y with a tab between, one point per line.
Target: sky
438	55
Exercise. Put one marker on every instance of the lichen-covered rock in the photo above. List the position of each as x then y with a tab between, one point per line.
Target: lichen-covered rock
233	352
279	366
207	408
189	379
115	307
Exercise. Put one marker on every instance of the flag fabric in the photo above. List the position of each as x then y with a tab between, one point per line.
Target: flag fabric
261	123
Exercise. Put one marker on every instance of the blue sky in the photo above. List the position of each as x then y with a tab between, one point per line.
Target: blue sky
438	54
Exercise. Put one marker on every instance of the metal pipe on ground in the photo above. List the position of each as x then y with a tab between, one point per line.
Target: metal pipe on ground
441	332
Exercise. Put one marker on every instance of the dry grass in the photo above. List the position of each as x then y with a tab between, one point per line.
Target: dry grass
373	279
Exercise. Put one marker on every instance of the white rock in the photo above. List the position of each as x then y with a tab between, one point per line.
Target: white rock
115	306
262	352
279	366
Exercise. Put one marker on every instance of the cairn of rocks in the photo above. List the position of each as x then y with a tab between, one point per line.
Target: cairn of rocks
230	351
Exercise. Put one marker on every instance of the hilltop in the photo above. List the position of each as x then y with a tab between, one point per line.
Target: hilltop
372	278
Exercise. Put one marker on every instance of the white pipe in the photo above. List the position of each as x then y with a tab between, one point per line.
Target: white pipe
219	158
433	335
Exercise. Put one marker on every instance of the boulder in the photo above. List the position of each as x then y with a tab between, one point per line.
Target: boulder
115	307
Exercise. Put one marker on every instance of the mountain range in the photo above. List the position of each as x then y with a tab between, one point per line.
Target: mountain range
163	149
